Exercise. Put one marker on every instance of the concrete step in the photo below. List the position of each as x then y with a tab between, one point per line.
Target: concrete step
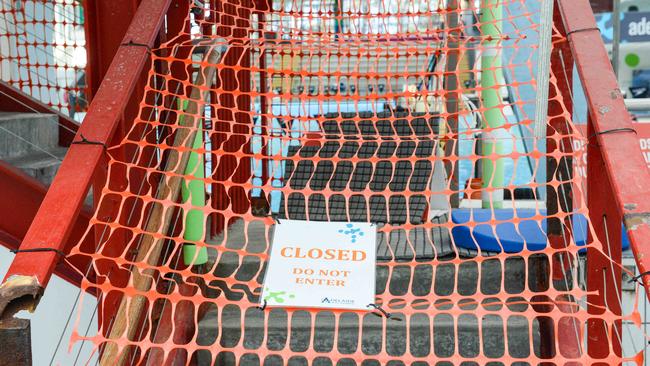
40	164
424	336
489	276
432	333
21	132
489	279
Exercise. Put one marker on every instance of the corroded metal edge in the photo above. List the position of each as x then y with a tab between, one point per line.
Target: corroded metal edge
19	293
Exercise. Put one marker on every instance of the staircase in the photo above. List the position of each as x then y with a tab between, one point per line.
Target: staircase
421	336
420	263
346	165
30	142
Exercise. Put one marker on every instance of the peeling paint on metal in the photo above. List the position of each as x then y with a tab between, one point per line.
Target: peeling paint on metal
630	206
15	288
616	93
634	220
604	109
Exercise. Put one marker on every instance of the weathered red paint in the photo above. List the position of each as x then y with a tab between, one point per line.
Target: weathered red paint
618	178
55	220
612	126
22	196
105	24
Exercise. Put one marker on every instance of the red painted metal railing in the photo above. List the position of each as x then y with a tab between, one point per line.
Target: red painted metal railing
107	116
618	184
618	181
22	197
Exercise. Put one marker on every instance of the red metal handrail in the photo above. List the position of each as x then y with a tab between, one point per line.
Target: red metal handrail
618	181
611	138
30	272
23	196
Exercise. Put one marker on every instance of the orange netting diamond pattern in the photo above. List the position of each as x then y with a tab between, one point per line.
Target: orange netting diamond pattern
353	110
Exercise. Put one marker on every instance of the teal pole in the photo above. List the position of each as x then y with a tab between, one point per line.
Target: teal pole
495	140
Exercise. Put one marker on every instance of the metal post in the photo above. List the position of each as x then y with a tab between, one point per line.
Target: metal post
616	42
234	120
618	181
452	96
495	139
16	341
559	189
106	23
603	267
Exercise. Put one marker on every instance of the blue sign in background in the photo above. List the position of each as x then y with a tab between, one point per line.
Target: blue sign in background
635	27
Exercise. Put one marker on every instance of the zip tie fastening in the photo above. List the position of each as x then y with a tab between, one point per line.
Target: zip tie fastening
85	141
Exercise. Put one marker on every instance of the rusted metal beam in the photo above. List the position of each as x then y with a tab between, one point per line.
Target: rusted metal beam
14	100
16	341
54	222
24	196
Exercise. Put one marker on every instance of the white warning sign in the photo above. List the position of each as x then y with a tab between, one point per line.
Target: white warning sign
321	265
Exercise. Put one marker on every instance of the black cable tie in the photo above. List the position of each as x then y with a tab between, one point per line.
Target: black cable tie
638	277
275	218
85	141
380	309
131	43
37	250
613	130
263	307
582	30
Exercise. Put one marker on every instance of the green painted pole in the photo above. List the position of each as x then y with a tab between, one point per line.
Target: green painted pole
194	190
494	141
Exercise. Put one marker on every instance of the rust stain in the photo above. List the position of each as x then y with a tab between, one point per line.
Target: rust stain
19	293
634	220
630	206
604	109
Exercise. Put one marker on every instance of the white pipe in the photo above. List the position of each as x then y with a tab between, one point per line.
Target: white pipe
616	42
543	68
638	105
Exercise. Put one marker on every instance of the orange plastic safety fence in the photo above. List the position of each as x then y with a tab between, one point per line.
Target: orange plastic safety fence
42	51
351	110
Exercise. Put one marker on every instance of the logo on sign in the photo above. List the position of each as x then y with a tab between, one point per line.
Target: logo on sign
352	232
635	27
640	28
330	300
321	264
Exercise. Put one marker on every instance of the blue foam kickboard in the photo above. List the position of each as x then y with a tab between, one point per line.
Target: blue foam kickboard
507	236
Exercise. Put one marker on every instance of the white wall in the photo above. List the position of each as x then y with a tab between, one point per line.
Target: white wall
634	337
48	321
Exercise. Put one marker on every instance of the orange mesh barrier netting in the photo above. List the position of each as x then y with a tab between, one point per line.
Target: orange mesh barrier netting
351	111
42	51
